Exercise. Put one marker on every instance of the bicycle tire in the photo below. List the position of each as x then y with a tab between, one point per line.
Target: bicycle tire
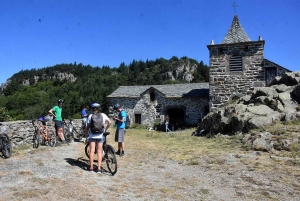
36	138
67	135
111	159
7	147
87	151
80	134
51	138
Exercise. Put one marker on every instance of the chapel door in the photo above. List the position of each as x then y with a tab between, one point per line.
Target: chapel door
271	73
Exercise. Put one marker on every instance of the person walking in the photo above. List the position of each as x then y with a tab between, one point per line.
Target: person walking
120	131
167	123
56	111
97	124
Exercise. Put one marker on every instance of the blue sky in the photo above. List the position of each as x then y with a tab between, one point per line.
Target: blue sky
42	33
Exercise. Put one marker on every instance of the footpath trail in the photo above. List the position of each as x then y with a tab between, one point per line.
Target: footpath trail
59	173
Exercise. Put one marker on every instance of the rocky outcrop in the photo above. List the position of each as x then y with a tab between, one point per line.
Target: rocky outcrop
61	76
185	70
262	106
4	85
58	75
266	141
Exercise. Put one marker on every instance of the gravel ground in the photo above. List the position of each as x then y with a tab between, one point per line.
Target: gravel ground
59	173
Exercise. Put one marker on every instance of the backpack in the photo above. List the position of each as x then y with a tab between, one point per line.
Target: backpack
127	124
97	123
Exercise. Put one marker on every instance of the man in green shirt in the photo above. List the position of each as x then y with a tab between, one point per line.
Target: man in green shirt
56	111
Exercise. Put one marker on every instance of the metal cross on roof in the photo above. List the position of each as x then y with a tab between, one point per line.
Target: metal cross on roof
234	6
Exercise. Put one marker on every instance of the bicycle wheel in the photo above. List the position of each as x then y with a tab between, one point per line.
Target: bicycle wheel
68	135
36	138
7	147
111	159
87	150
51	138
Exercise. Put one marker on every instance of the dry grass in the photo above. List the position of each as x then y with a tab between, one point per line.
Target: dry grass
181	146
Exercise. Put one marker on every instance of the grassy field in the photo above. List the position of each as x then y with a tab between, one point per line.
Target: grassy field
180	145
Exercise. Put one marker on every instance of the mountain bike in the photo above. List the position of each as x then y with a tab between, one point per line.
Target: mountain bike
70	131
41	129
109	155
5	144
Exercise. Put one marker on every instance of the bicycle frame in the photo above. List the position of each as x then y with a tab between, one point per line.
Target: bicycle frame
48	135
44	129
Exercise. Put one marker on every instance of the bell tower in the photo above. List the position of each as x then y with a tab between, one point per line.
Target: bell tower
235	65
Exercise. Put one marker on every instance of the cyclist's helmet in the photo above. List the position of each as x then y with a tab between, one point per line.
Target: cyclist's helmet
116	106
60	101
95	105
41	118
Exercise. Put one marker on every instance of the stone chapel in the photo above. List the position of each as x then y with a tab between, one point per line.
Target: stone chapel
237	64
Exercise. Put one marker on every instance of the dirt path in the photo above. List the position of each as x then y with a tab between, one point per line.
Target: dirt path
59	174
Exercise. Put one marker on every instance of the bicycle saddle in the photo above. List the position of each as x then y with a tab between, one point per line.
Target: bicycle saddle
106	133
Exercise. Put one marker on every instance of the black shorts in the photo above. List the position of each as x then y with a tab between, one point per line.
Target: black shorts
58	124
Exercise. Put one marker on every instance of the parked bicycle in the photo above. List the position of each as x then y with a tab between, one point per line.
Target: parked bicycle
70	131
5	143
41	129
109	155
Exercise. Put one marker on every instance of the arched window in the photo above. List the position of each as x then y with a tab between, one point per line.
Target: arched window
235	63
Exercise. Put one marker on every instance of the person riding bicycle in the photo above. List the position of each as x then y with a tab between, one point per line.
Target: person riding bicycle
85	115
94	133
56	111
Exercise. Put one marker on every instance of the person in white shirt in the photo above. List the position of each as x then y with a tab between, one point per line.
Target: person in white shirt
95	135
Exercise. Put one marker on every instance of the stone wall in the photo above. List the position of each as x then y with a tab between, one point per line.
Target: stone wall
21	132
224	84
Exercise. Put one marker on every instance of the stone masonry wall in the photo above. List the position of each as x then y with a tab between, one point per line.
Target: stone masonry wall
224	85
21	132
150	111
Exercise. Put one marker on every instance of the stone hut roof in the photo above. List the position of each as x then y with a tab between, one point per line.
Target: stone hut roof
267	63
170	90
236	33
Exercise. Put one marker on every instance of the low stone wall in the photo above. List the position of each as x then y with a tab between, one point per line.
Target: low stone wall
21	132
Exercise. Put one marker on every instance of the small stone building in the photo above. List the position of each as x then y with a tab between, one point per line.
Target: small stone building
237	65
184	103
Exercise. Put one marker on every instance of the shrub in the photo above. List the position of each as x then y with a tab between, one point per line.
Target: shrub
4	116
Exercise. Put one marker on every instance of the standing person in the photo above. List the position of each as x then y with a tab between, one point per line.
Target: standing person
56	111
85	115
120	131
94	131
167	123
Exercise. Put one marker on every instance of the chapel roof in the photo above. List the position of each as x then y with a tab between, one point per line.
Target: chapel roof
169	91
236	33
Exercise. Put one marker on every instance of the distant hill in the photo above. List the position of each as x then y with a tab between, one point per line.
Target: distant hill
31	93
